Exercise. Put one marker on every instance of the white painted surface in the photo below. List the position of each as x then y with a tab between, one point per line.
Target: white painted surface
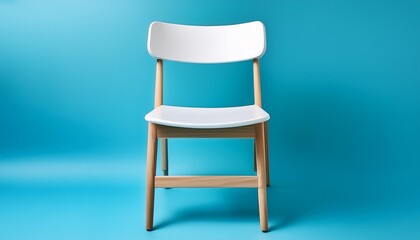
207	44
188	117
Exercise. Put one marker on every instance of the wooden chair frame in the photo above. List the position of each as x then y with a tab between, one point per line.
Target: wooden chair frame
259	132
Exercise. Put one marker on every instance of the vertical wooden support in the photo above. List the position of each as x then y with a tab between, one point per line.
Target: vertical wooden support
159	102
255	156
258	102
261	171
150	175
257	83
164	155
267	162
152	150
159	83
257	96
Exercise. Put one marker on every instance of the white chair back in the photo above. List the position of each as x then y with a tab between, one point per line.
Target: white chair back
206	44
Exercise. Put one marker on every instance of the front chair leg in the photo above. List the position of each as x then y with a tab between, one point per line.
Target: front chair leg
267	166
261	173
150	175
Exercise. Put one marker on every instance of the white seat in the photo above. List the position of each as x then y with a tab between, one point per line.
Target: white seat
190	117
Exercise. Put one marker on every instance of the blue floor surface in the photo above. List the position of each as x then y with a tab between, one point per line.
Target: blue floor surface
75	199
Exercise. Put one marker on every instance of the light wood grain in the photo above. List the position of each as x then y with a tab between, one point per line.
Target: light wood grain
164	155
159	83
257	83
261	171
258	101
257	131
176	132
206	181
150	175
255	156
267	163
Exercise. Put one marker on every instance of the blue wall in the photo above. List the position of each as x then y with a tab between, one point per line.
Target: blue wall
340	79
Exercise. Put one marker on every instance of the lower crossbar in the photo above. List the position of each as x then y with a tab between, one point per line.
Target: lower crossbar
206	181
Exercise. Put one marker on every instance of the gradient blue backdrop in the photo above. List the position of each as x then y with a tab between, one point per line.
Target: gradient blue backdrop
340	79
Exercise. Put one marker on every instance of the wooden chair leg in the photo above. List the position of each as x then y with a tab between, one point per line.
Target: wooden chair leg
150	175
164	155
255	157
267	165
261	171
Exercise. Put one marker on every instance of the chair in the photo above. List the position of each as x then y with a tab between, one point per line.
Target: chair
207	44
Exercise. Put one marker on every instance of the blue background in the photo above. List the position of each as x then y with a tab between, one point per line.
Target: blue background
340	79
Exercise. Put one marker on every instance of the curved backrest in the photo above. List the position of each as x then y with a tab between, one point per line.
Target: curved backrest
206	44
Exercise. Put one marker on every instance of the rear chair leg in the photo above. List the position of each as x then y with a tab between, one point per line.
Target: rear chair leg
267	165
255	156
164	154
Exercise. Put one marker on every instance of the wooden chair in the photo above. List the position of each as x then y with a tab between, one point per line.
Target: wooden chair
207	44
